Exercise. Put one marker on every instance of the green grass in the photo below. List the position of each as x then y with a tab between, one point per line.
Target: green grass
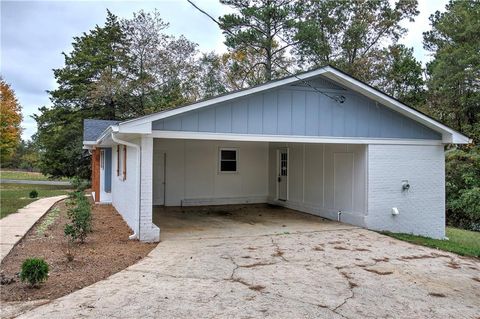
15	196
462	242
23	175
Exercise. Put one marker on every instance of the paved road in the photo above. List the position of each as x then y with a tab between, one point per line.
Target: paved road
34	182
309	271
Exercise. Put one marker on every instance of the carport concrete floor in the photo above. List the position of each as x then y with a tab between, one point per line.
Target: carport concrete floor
259	261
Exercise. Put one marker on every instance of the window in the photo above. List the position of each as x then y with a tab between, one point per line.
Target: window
102	159
122	161
228	160
118	160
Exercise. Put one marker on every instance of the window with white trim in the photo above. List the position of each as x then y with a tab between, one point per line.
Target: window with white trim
228	160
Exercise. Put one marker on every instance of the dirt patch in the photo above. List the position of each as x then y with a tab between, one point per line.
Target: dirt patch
250	286
107	250
436	294
259	264
416	257
476	279
379	272
454	265
340	248
384	259
278	252
362	249
335	242
318	248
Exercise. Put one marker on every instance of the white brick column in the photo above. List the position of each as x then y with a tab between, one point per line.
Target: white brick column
148	231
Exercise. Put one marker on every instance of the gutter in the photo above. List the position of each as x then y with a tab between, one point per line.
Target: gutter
114	129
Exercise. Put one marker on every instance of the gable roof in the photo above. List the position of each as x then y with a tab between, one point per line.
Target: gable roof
449	135
93	129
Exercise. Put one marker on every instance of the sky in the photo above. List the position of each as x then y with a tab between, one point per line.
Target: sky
33	34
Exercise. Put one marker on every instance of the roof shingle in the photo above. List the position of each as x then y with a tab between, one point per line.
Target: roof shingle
92	129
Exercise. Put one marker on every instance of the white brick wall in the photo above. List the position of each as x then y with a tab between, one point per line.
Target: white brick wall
422	208
124	197
148	230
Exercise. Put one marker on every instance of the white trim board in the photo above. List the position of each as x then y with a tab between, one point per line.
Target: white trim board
285	138
224	201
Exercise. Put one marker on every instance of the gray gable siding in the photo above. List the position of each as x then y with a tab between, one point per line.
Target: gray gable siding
300	111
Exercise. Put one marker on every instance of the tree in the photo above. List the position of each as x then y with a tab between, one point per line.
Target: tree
350	34
93	80
238	71
10	119
92	84
264	26
454	74
211	75
117	71
400	75
453	82
161	68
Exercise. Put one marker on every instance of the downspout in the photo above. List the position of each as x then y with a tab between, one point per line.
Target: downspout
136	234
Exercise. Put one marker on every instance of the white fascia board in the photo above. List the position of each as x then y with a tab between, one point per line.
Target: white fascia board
448	135
144	127
285	138
127	126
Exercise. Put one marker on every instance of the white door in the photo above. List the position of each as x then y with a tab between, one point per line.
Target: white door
282	178
343	181
159	162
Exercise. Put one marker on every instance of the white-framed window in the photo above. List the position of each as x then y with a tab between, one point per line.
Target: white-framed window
102	159
122	162
228	160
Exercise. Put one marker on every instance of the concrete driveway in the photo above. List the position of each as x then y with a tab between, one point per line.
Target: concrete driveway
257	262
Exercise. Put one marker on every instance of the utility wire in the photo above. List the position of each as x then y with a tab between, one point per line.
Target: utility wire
340	99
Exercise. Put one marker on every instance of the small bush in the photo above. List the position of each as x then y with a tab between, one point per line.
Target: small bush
80	218
34	271
80	184
33	194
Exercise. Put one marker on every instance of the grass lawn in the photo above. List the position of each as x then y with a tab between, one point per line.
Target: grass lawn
462	242
24	175
15	196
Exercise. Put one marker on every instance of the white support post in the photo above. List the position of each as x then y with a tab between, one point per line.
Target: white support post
148	231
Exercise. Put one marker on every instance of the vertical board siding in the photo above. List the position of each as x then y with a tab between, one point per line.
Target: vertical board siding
299	111
240	117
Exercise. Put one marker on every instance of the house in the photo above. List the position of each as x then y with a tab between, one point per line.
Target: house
319	142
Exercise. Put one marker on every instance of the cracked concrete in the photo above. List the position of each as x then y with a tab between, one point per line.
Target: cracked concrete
269	274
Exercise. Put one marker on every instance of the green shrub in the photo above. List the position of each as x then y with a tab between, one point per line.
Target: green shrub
33	194
80	218
80	184
463	188
34	271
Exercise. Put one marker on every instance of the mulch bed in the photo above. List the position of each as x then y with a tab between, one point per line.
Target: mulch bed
107	250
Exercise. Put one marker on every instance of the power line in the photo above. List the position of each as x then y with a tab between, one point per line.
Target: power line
339	99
